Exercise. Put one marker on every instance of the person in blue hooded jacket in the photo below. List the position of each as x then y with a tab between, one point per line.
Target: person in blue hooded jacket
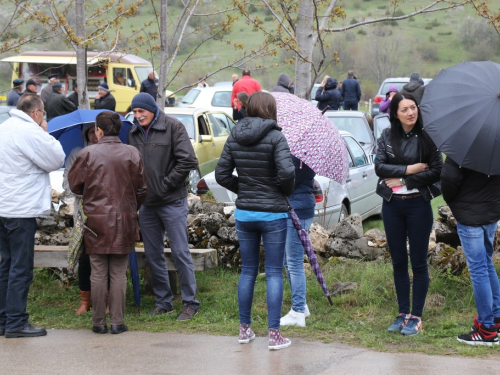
327	95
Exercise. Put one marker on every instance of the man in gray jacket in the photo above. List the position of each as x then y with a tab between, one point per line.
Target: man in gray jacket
168	158
28	154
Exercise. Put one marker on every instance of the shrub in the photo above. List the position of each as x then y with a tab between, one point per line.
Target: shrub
268	18
354	21
432	39
361	32
428	52
428	26
411	19
445	33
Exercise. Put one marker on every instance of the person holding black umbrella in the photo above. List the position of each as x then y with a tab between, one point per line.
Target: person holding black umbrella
110	176
409	167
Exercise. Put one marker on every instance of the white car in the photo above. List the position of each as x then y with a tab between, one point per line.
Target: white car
354	122
216	98
334	201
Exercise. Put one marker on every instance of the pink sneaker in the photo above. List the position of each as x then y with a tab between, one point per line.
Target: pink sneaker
246	334
276	341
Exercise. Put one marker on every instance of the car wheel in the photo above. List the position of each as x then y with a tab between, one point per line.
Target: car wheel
193	178
344	212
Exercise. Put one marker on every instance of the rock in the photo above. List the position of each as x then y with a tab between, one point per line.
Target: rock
231	221
209	207
496	241
357	248
350	227
54	196
213	221
432	237
60	238
446	214
228	234
197	234
318	236
51	224
435	300
192	199
448	259
446	233
376	238
195	220
340	288
229	210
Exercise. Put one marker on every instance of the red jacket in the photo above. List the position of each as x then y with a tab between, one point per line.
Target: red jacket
245	84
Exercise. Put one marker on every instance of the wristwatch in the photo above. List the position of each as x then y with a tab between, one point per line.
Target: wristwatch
402	181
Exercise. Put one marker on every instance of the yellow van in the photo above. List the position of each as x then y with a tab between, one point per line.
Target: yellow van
122	72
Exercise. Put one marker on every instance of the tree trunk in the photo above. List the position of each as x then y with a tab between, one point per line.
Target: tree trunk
303	64
160	100
81	56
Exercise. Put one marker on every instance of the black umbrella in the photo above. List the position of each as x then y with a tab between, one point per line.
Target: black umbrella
461	113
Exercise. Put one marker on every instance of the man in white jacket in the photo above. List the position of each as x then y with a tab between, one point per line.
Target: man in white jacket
27	153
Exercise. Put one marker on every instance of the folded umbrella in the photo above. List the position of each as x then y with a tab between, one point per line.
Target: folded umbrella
312	138
67	129
134	272
461	113
313	260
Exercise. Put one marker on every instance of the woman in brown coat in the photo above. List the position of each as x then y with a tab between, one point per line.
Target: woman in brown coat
110	176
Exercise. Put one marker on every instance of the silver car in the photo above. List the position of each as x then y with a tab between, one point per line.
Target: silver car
214	98
334	201
354	122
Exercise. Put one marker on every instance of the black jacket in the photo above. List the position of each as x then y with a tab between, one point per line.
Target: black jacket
260	153
387	165
351	91
58	105
168	157
473	197
106	102
150	86
73	98
329	96
415	89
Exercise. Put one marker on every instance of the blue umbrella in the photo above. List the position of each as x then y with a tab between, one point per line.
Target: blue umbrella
67	129
134	272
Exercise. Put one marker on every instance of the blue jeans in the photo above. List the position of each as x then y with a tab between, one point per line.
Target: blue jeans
17	249
477	243
294	264
409	219
273	234
154	221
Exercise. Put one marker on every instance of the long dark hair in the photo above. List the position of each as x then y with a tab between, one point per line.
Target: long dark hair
263	105
425	142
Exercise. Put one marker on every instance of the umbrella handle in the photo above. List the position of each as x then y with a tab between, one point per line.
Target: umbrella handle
330	300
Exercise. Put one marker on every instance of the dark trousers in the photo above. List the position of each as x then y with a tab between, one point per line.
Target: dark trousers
113	267
172	218
350	105
17	249
84	271
409	219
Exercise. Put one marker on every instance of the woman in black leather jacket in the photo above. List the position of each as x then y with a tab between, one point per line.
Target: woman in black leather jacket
260	153
409	167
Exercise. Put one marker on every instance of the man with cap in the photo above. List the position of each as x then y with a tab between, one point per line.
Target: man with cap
414	88
47	90
104	99
58	104
31	87
73	97
16	92
168	158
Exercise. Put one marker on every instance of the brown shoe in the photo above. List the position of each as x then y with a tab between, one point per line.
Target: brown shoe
187	313
85	303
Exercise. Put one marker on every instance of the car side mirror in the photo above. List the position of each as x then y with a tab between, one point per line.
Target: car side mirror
132	83
206	138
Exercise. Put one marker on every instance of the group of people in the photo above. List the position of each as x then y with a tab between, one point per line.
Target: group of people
415	88
147	176
332	96
411	173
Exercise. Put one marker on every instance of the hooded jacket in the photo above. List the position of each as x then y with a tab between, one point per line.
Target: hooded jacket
28	154
473	197
415	89
328	96
385	105
283	84
260	153
387	165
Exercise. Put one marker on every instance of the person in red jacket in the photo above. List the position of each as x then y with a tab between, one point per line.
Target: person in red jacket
245	84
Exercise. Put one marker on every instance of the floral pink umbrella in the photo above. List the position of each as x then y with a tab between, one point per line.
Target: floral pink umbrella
312	138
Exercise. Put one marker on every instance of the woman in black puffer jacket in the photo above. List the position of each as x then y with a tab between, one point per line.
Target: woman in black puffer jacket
409	166
260	153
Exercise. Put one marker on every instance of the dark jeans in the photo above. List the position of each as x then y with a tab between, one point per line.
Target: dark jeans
172	218
412	219
273	234
17	249
349	105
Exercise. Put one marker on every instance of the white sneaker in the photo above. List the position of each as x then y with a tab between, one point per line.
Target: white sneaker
293	318
306	312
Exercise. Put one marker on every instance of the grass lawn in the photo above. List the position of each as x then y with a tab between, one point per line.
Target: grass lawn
359	318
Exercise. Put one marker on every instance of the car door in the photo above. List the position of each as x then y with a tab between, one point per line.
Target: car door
362	181
205	145
220	134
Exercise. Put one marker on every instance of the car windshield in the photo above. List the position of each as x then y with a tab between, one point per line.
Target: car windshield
354	125
386	85
380	125
191	96
222	99
187	121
